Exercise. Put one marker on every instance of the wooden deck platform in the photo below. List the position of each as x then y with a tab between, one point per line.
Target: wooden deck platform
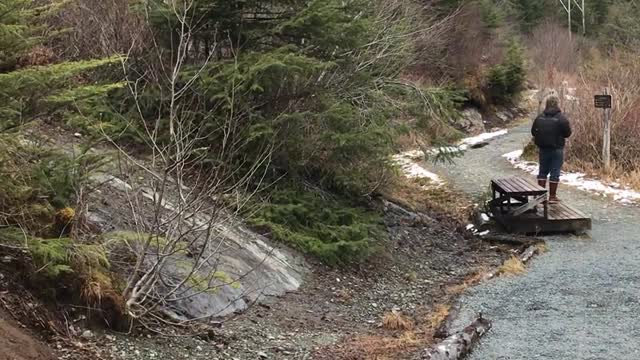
519	205
562	218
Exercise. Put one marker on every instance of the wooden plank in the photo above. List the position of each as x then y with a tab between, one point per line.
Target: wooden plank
535	185
553	212
517	185
539	225
514	187
528	206
568	212
527	185
556	213
562	218
502	184
574	212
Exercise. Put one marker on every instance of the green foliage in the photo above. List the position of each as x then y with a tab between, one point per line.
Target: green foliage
506	79
58	176
31	93
16	36
622	28
530	13
34	92
314	83
331	27
597	14
211	282
492	14
35	180
334	231
57	257
436	105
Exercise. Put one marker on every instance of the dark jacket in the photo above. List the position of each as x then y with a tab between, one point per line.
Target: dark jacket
550	129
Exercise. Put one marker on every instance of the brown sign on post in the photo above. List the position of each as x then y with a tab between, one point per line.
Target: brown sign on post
602	101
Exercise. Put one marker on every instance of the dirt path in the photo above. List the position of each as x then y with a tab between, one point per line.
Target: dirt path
580	300
338	312
18	344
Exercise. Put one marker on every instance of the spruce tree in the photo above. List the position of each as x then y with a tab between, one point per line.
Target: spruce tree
531	12
297	72
31	92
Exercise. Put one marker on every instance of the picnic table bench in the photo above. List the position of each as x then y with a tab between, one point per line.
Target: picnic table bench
520	191
519	204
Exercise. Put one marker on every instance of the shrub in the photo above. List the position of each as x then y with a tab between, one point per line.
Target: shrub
36	180
584	149
57	257
491	14
334	231
64	269
505	80
551	51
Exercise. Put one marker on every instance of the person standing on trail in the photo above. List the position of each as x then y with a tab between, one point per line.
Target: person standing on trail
550	130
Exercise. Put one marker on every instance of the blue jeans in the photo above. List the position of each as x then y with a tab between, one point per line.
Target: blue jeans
551	161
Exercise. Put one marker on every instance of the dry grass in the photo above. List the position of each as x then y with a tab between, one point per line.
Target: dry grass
551	38
376	347
397	321
513	266
438	315
399	335
584	152
442	202
542	248
471	280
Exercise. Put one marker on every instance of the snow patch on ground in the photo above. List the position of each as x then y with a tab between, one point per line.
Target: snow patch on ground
619	193
474	140
467	143
409	161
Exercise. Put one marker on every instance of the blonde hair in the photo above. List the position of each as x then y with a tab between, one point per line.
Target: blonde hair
553	103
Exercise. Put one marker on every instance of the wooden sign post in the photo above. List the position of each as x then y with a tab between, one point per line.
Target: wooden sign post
604	102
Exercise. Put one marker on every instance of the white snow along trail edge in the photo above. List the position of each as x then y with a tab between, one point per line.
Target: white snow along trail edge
409	161
579	180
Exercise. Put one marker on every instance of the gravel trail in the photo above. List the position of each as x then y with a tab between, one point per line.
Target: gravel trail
580	300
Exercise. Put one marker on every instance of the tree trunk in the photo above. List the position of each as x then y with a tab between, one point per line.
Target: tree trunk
460	344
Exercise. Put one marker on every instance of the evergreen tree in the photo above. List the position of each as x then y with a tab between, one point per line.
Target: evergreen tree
28	93
312	75
531	12
622	28
16	35
506	79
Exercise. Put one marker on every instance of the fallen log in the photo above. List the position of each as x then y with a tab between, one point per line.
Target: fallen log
528	254
460	344
407	212
444	330
524	257
512	240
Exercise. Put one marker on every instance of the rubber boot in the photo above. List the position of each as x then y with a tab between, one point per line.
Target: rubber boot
543	184
553	192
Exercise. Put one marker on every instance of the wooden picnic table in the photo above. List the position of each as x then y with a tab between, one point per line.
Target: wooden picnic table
523	192
515	205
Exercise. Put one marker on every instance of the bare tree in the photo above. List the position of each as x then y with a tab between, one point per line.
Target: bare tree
180	197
